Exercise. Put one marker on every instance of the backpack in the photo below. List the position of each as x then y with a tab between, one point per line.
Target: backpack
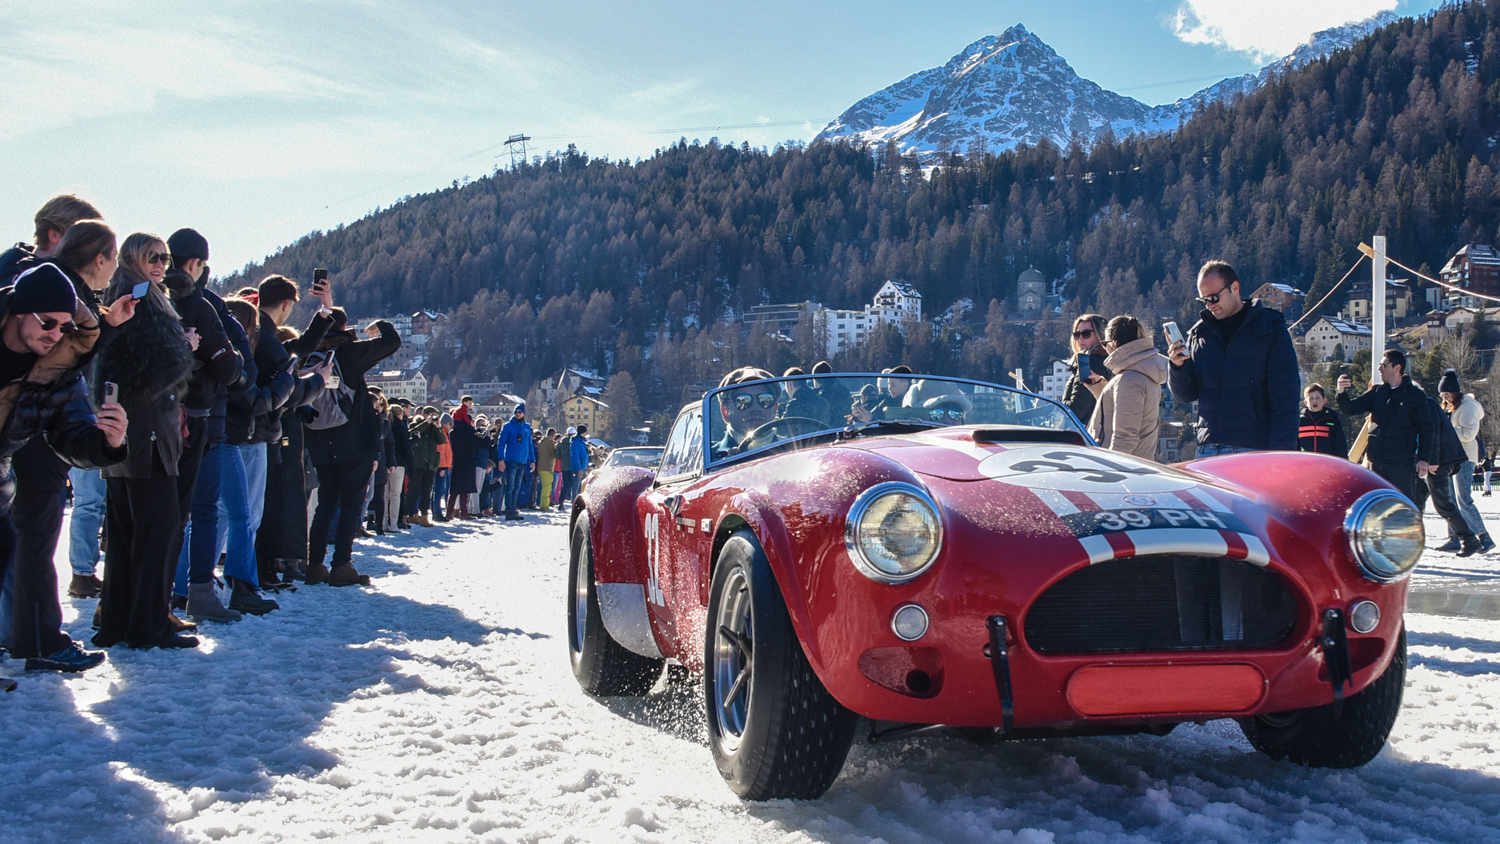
333	405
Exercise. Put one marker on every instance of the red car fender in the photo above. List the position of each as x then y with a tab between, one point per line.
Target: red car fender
610	501
808	570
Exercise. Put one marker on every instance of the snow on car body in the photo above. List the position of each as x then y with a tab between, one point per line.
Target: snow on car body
993	571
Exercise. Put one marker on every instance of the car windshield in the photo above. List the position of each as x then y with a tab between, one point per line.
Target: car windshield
634	457
745	418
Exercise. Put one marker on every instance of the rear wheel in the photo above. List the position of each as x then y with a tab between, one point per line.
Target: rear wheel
601	665
1314	737
774	729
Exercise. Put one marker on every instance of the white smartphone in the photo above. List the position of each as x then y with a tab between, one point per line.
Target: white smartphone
333	382
111	394
1174	334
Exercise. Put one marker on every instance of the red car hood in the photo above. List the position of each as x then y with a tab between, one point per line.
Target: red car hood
1115	504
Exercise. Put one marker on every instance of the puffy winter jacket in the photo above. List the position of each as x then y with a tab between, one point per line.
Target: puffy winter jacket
1128	413
359	438
1404	430
514	445
1322	432
1246	385
1466	418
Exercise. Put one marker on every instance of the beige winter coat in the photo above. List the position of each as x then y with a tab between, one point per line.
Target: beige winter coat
1466	418
1129	410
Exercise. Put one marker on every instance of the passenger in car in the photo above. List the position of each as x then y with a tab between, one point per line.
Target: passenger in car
803	401
746	408
934	401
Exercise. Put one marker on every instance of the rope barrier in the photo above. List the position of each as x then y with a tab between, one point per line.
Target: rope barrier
1314	309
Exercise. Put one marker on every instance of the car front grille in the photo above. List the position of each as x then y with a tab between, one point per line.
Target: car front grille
1162	603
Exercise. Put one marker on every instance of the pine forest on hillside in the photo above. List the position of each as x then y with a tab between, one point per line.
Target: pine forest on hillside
636	267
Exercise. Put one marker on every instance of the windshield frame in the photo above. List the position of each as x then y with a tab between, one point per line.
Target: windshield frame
710	406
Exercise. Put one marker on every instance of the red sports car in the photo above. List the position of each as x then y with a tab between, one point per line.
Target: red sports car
937	551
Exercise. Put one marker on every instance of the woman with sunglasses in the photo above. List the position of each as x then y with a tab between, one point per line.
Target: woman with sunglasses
149	362
1088	351
1128	414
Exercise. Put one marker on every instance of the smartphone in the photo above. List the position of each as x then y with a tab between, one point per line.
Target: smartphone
1085	368
314	360
111	394
333	382
140	290
1174	334
320	274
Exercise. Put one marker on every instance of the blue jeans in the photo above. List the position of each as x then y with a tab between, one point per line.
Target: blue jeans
1215	449
239	492
1463	482
515	473
200	548
88	517
440	486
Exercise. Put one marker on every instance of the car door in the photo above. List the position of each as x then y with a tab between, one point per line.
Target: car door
671	587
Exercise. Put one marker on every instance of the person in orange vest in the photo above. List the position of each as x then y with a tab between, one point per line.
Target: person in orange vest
1319	427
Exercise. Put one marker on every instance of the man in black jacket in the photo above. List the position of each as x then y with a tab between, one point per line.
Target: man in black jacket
1239	365
1403	442
42	393
281	540
344	456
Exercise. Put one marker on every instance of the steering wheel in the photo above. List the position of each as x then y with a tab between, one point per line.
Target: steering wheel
778	429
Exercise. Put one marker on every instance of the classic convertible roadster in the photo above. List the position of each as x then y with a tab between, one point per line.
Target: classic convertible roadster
937	551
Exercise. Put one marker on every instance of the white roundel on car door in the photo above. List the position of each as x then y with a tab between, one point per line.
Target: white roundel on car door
1068	469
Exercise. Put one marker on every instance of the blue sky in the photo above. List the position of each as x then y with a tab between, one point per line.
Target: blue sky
258	122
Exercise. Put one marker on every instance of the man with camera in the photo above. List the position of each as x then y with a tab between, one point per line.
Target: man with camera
1239	365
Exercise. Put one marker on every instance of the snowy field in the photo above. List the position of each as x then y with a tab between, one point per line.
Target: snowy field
437	705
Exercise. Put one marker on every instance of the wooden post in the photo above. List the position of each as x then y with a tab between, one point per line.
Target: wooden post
1377	302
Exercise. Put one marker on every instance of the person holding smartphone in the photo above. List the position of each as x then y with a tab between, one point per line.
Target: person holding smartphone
1087	368
1238	363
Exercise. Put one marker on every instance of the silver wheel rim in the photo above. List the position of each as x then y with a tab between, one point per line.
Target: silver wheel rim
733	659
580	603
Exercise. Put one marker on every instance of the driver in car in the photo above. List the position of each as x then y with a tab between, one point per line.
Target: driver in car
745	408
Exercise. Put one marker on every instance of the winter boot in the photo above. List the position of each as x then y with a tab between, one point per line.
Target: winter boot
1453	544
316	573
345	575
1471	545
71	660
181	625
1486	544
247	598
203	604
84	586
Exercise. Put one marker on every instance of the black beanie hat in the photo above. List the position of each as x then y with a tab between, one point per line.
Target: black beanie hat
1449	382
186	243
44	289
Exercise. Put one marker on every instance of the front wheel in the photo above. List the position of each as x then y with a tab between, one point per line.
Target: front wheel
774	729
601	665
1314	737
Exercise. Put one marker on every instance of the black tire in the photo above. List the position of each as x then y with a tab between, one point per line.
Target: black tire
1313	737
601	665
775	731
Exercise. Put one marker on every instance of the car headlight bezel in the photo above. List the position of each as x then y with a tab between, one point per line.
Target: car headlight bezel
855	531
1375	566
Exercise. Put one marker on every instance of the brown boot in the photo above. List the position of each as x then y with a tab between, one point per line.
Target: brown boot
179	625
316	573
345	575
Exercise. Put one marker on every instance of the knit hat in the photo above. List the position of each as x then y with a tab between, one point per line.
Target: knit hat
44	289
572	431
186	243
1449	382
520	408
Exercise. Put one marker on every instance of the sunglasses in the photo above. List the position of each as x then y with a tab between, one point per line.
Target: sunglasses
47	324
162	258
1084	334
938	414
743	402
1213	298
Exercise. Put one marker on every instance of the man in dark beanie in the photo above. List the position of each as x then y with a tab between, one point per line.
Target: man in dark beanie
42	392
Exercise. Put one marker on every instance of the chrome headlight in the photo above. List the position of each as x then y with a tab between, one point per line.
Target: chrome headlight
1385	534
893	532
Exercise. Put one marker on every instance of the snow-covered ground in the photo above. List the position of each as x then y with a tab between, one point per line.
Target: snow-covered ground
437	705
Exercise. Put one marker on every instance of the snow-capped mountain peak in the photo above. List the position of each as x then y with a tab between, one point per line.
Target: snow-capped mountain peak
1012	88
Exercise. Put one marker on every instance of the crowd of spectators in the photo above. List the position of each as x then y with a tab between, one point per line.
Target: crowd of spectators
213	451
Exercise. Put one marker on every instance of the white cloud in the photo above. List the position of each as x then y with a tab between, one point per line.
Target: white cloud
1268	29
